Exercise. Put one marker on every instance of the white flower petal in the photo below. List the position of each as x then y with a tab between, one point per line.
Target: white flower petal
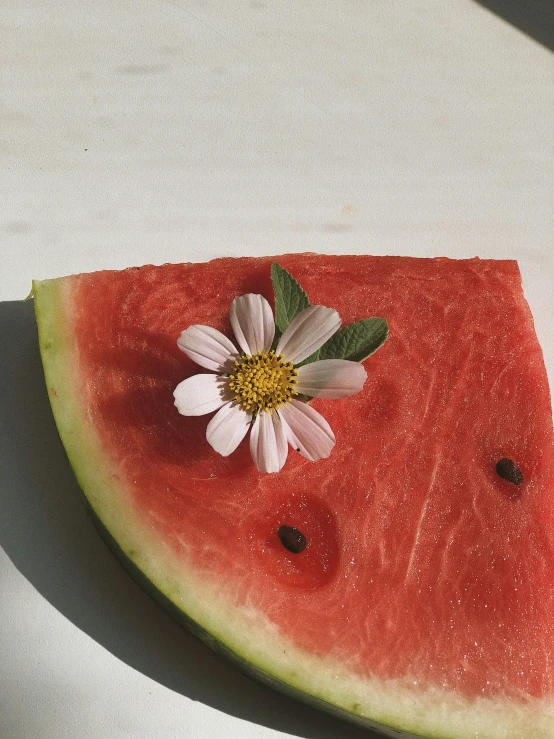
330	378
307	431
201	394
253	324
228	428
208	347
268	442
307	331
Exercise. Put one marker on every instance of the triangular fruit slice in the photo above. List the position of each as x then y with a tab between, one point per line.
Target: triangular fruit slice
424	600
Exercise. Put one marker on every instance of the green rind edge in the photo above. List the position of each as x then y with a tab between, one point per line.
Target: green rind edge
222	649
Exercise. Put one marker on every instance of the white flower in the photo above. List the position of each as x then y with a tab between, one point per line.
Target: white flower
255	388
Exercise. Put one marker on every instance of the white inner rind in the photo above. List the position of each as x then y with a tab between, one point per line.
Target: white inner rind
402	704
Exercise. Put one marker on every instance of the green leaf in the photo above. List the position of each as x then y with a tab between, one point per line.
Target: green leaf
354	342
290	298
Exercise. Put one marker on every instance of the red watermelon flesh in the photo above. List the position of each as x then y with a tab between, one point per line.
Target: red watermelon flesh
424	569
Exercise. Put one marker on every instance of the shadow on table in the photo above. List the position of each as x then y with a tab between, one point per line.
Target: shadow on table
533	17
47	534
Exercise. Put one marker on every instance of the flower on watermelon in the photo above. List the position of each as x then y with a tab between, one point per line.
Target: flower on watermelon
256	389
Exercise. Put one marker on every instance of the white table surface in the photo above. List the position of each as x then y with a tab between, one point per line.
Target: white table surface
140	131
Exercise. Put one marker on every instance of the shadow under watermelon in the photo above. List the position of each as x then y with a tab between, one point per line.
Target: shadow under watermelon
47	534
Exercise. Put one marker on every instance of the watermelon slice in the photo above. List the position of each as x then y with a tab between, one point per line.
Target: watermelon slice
424	599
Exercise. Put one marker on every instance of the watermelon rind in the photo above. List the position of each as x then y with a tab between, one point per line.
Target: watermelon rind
208	609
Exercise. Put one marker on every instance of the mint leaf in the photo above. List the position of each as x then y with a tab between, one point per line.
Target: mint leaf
354	342
290	298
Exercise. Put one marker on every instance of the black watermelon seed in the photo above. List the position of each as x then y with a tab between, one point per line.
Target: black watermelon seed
508	470
292	539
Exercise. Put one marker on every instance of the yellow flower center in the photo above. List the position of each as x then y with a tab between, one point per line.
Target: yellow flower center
263	382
